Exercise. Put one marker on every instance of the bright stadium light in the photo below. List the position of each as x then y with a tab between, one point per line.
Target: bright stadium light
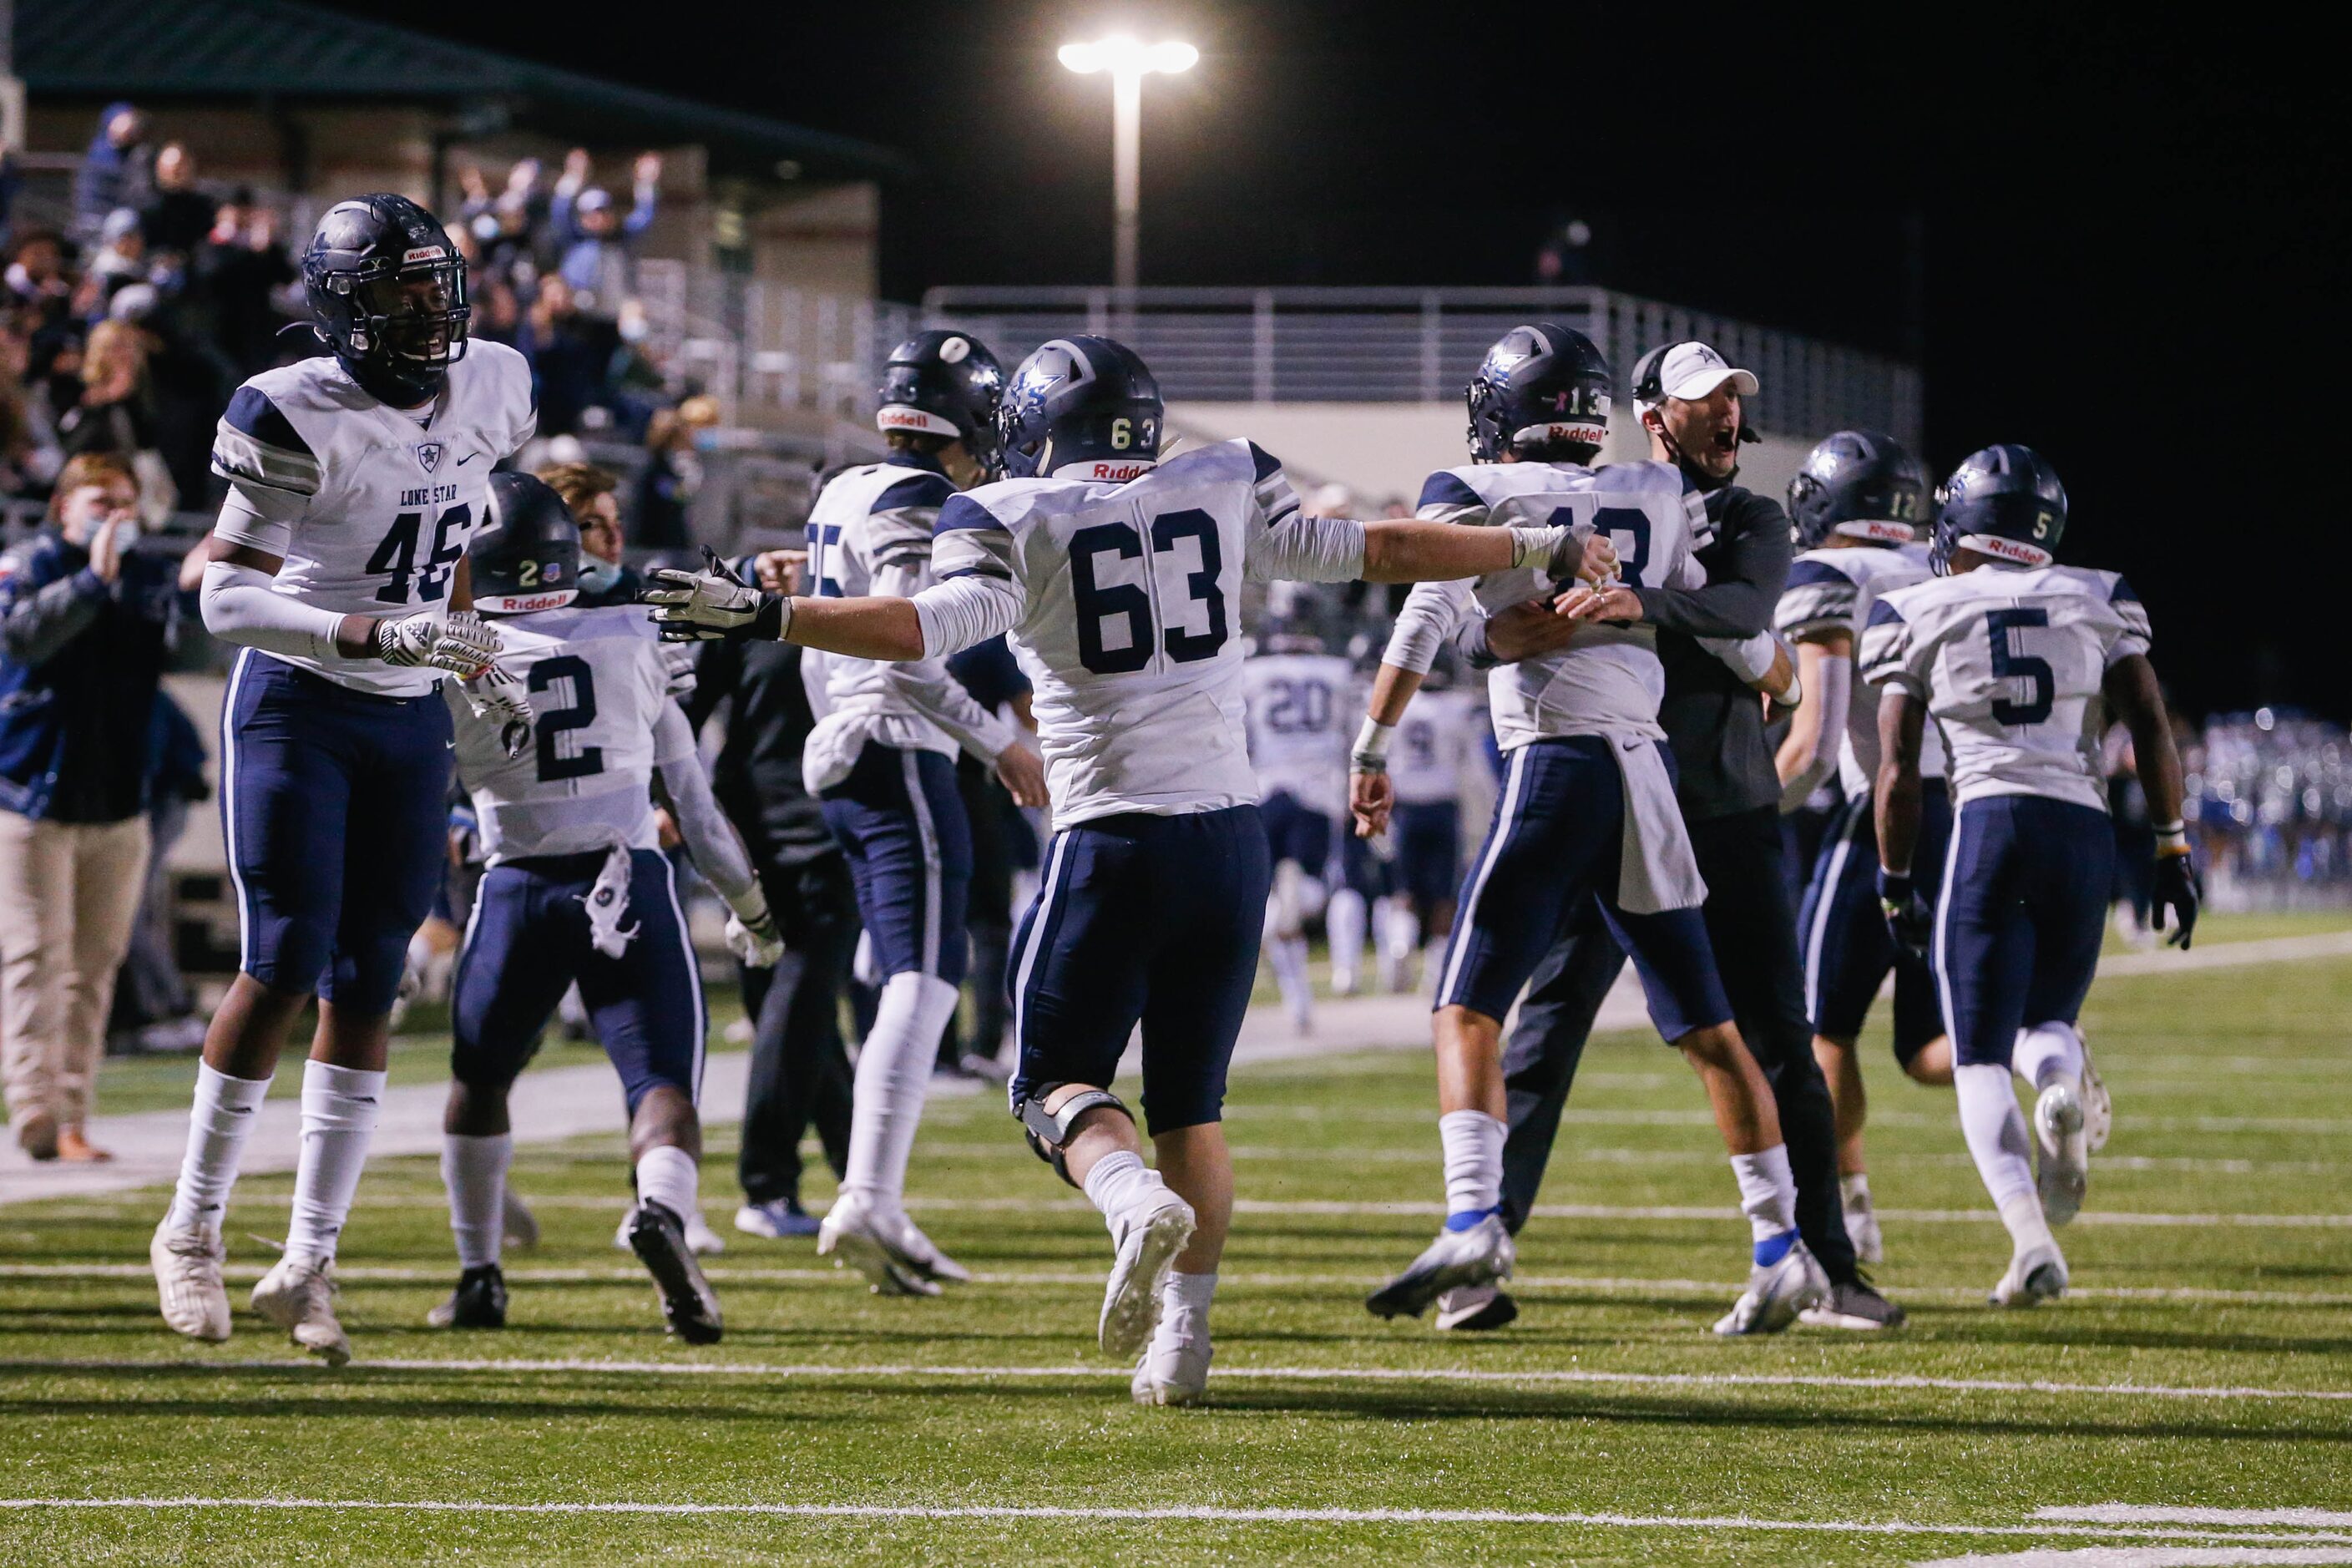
1128	61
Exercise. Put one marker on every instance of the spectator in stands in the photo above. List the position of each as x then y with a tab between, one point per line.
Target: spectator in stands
672	473
589	494
569	352
121	261
591	235
116	170
29	456
113	414
36	278
85	615
234	279
178	216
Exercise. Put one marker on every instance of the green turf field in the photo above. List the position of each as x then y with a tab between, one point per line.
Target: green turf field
2204	1363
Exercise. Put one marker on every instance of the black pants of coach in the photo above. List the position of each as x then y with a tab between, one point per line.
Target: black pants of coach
800	1070
1753	929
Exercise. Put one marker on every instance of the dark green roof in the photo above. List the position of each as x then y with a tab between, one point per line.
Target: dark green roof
214	49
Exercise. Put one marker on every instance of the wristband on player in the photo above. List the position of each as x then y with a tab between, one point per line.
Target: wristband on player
2171	838
1894	887
1371	753
783	617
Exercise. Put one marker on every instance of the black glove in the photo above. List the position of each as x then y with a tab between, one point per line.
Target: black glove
2179	890
1908	918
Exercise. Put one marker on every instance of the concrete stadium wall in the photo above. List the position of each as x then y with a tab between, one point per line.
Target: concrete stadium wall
1380	450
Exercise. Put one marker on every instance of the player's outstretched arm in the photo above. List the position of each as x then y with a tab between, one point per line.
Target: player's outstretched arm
2131	691
1411	550
945	618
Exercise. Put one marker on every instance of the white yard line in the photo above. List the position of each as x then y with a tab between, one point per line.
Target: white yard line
1184	1513
2147	1513
1528	1377
1244	1278
2204	1556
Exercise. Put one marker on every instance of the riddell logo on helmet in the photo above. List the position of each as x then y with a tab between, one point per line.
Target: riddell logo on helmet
1994	545
423	253
519	603
1116	472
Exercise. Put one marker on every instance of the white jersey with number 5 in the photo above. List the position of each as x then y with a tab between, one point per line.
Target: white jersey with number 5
2011	666
602	722
369	506
1302	716
1129	578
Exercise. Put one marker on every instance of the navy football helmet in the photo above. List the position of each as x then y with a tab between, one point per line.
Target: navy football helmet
2004	502
944	384
387	292
1863	485
1542	382
1079	399
526	555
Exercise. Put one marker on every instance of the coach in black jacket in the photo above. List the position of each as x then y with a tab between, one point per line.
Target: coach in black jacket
1689	400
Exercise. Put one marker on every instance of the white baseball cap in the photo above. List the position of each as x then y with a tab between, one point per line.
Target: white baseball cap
1689	371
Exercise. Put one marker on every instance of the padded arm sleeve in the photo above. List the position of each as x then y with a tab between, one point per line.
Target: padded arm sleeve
240	607
1432	614
260	518
1302	548
965	611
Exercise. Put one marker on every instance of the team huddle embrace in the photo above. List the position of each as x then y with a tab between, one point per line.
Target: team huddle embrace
400	616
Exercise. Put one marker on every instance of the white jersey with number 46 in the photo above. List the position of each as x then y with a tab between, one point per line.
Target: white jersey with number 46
602	722
369	506
2010	664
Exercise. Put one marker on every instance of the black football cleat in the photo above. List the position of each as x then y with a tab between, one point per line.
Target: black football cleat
688	1303
479	1302
1856	1304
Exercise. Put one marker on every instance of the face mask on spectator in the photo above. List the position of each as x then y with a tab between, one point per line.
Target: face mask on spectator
597	576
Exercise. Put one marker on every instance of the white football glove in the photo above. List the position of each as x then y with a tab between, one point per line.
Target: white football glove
461	644
714	603
496	698
753	938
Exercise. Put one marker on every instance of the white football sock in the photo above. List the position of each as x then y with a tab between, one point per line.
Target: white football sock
2046	1052
1184	1311
1121	1185
2027	1227
894	1074
340	1110
1289	956
1397	933
666	1176
474	1170
1767	1193
1995	1131
1473	1142
219	1122
1343	924
1855	1190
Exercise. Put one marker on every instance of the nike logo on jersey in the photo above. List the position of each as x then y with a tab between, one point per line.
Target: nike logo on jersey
471	455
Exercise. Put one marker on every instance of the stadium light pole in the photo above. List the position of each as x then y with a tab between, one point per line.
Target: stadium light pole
1129	62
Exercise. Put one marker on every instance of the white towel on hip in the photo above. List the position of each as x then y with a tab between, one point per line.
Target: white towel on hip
1656	870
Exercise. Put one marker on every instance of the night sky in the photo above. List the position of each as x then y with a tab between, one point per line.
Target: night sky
2128	243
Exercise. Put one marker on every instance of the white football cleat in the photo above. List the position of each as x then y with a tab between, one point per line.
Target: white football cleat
1776	1294
896	1259
188	1280
1473	1307
1147	1252
2062	1174
1862	1228
2098	1107
1173	1374
1478	1256
298	1294
2036	1275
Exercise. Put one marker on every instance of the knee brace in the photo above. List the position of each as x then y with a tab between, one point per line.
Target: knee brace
1049	1130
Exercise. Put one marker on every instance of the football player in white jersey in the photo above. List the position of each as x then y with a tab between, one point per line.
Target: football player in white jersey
2018	661
1435	742
1587	811
1860	506
578	890
1119	578
881	760
338	564
1296	699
